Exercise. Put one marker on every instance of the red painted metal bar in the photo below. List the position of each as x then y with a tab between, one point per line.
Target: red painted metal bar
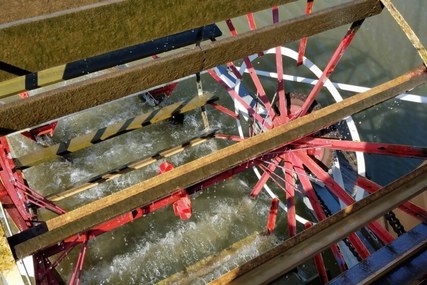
331	66
48	129
260	89
303	42
339	192
359	246
408	207
12	211
38	199
167	90
236	96
229	137
75	278
224	110
318	261
308	188
271	223
279	68
17	196
315	203
44	275
343	195
233	68
231	65
264	177
231	27
290	195
61	257
381	232
332	185
275	12
116	222
277	178
368	147
281	84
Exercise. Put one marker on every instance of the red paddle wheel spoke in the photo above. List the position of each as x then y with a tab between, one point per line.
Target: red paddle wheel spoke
290	195
407	207
337	190
331	66
318	261
359	246
264	177
330	183
75	278
260	89
315	203
367	147
236	96
303	42
279	68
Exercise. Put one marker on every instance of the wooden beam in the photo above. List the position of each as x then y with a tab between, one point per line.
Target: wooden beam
274	263
104	209
72	31
415	41
92	92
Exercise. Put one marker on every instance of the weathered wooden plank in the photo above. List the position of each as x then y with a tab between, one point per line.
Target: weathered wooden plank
184	176
89	93
50	41
296	250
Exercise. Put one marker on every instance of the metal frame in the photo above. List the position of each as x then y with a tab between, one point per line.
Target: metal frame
78	227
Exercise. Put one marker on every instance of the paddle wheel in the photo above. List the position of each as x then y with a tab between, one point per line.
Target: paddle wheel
292	133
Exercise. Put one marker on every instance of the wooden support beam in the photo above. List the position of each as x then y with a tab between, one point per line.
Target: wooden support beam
92	92
65	31
415	41
104	209
295	251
